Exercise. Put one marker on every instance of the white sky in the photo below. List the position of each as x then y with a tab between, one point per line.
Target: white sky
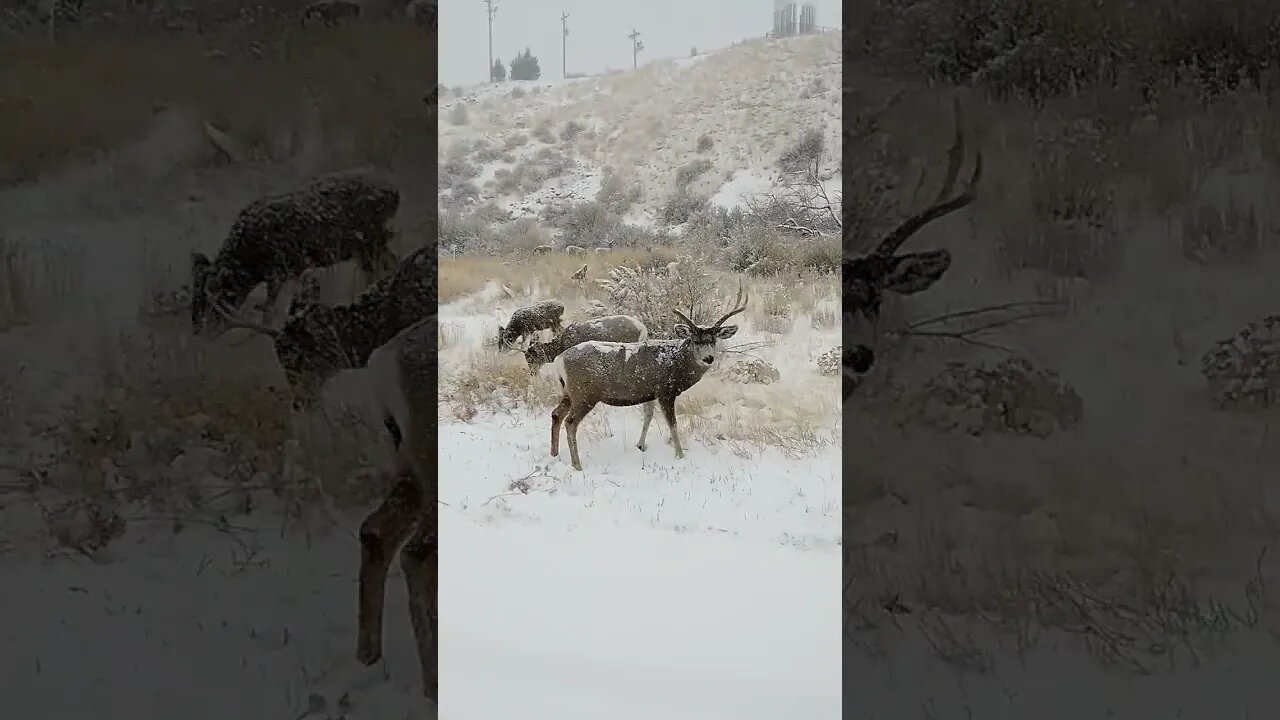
598	31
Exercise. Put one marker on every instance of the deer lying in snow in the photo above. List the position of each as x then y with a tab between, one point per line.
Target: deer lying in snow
544	315
867	278
404	376
275	239
319	341
610	328
625	374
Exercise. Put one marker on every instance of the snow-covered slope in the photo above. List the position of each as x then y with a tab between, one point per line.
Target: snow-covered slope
745	105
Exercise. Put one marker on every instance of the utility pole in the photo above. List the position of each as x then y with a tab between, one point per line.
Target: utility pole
636	46
492	9
564	25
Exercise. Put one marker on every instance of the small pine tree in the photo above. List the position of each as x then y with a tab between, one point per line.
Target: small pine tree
525	66
498	72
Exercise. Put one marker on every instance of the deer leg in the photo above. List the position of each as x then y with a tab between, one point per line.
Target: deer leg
381	534
557	417
420	562
571	423
644	429
669	412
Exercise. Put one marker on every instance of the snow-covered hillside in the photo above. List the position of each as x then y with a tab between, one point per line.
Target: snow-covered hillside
738	108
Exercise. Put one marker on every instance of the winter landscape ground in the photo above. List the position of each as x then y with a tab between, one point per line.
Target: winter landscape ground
644	586
1072	514
172	542
176	541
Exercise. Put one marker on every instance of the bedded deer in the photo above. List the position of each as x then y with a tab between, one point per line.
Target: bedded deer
610	328
319	341
404	375
543	315
868	277
276	239
626	374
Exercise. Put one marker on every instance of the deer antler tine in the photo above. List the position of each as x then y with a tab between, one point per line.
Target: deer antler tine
739	304
911	225
955	155
684	318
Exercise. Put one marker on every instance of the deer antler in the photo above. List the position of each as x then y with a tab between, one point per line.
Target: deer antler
685	319
739	304
941	206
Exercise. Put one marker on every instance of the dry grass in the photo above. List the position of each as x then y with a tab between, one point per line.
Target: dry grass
549	273
796	415
361	78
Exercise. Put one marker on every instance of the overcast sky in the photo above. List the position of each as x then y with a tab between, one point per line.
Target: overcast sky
598	31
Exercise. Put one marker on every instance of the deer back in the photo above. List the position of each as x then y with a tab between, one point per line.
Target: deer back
628	373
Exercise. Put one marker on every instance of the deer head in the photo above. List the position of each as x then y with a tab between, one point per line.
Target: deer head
867	278
704	341
211	287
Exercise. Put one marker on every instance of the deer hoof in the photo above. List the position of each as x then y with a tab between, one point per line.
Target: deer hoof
640	446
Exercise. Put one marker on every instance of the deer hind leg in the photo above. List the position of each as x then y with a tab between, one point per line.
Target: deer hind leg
381	535
669	412
420	562
557	417
644	429
576	413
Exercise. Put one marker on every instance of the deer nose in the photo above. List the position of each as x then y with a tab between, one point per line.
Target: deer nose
708	359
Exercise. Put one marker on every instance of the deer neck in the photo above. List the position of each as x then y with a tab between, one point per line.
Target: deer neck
687	371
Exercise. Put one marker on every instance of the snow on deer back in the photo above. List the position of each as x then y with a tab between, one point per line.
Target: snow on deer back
274	239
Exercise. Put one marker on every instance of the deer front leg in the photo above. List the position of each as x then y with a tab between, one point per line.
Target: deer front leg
557	417
420	562
381	534
669	412
571	427
644	428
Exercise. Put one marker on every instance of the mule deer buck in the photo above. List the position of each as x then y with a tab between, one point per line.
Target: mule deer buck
544	315
867	278
625	374
275	239
404	382
609	328
319	341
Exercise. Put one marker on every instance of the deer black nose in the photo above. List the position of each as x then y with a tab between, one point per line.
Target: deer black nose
709	359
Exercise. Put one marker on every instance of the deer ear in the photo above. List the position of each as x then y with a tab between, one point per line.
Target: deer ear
680	330
911	273
726	331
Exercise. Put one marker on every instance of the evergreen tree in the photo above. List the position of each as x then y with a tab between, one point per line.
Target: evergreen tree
498	72
525	66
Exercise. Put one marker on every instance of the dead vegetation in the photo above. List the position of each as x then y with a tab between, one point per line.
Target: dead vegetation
1120	504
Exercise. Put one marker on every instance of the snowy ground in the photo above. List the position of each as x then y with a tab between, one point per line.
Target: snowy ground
644	586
